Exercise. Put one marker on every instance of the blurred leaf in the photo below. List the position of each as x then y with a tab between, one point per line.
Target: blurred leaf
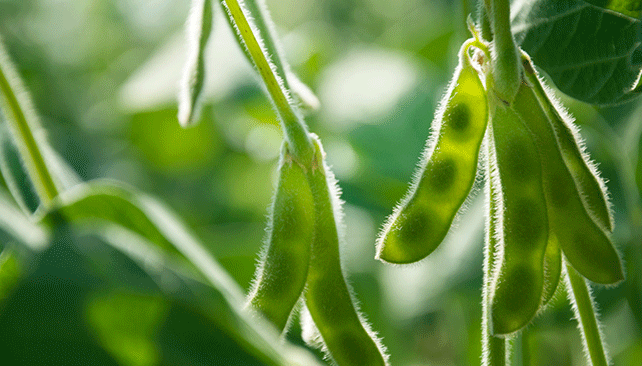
42	321
152	223
10	273
14	222
126	323
14	173
591	53
631	8
170	148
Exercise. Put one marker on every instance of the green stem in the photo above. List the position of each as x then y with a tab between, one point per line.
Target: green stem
505	64
296	132
484	22
263	22
495	349
13	105
584	309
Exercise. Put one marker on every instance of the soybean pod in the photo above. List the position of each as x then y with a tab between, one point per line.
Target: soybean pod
583	242
348	340
282	273
589	184
446	174
523	233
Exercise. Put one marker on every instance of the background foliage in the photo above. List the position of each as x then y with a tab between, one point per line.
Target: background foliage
103	75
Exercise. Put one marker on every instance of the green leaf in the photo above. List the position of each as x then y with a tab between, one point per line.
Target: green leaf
14	174
19	227
247	330
147	231
632	8
591	53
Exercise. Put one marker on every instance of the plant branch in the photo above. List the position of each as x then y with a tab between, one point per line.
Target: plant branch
295	131
494	349
584	309
17	110
505	63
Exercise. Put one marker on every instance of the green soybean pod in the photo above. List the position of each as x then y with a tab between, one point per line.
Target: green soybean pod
523	234
583	242
199	27
446	174
587	179
347	339
282	273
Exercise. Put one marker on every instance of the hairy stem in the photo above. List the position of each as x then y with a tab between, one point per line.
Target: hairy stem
494	349
584	309
16	109
296	132
505	63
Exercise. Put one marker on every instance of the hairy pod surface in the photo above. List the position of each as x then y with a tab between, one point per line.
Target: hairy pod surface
347	338
446	175
283	270
591	188
519	277
584	243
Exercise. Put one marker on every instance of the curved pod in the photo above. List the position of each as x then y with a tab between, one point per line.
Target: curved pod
523	233
282	273
347	339
584	243
446	174
590	186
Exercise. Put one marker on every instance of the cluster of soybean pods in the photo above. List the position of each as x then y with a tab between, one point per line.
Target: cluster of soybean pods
547	209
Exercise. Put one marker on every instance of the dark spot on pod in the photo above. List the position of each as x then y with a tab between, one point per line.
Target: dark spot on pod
442	175
524	290
516	302
459	118
560	191
415	227
521	164
525	222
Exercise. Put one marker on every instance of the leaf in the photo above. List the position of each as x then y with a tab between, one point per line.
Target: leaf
103	201
591	53
14	174
632	8
247	330
148	232
19	227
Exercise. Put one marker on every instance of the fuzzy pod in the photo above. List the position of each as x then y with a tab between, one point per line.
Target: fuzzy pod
283	268
523	226
585	244
199	28
587	179
446	172
347	339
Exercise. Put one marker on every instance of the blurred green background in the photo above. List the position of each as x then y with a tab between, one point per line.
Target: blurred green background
103	75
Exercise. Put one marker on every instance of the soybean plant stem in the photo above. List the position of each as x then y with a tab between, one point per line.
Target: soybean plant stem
505	64
585	313
14	108
295	131
495	349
